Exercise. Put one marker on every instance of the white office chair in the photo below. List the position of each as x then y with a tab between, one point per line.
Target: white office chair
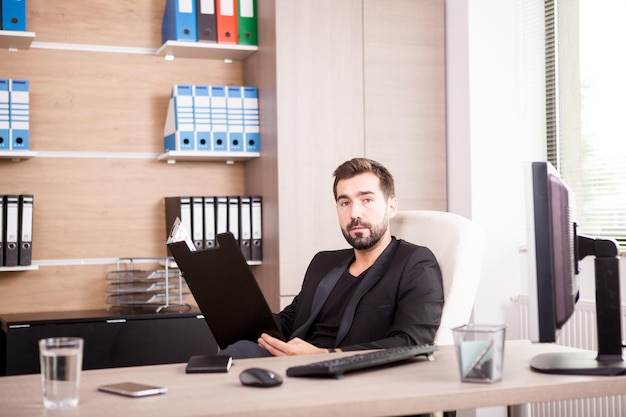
458	244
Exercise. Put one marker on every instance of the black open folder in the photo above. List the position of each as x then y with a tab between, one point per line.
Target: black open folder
226	291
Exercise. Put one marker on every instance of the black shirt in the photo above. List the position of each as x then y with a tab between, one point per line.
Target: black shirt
324	328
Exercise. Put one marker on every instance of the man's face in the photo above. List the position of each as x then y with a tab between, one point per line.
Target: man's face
363	210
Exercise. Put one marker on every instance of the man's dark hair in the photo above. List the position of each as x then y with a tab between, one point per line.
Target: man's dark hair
357	166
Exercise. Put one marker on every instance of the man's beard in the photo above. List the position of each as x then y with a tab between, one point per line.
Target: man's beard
360	241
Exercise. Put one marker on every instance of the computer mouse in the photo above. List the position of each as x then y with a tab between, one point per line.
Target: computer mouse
259	377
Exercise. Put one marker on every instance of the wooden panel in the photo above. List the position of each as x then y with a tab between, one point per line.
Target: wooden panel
51	289
404	77
59	288
320	123
95	101
134	23
326	112
261	176
109	208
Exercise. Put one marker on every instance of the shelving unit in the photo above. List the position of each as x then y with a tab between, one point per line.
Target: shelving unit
14	40
200	50
98	175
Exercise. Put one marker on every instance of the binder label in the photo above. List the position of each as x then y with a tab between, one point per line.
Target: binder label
207	6
185	6
246	8
227	7
12	224
27	224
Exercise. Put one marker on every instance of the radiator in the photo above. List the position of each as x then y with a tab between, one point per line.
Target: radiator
579	332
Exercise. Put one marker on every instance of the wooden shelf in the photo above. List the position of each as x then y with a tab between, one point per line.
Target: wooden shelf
181	49
208	156
14	40
172	263
19	268
17	155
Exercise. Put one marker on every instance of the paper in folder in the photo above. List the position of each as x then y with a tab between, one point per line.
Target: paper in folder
179	233
178	207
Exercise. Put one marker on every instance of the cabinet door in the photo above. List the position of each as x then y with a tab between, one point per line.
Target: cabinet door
113	344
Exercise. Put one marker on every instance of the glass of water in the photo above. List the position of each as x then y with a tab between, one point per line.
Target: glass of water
61	360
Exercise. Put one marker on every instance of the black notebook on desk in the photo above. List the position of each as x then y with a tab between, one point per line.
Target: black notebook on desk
226	291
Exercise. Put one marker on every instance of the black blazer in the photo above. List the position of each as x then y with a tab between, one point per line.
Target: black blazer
398	302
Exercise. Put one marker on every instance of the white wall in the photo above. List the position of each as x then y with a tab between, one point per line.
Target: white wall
496	125
487	149
488	145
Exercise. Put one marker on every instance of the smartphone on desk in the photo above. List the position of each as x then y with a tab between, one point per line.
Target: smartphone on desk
132	389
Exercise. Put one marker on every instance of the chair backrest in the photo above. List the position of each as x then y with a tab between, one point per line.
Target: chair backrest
458	244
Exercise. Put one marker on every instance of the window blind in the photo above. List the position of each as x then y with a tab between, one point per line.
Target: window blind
585	90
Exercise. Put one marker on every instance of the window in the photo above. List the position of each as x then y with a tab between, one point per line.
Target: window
585	110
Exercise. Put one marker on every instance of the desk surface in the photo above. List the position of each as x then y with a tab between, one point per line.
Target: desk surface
417	387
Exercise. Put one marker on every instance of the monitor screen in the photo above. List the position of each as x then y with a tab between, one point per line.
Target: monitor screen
554	249
553	279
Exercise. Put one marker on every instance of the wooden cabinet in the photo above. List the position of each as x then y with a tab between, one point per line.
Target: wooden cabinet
110	339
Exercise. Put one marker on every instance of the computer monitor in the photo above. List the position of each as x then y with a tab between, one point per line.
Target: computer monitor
554	250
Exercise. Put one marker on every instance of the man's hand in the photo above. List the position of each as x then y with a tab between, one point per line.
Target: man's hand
295	346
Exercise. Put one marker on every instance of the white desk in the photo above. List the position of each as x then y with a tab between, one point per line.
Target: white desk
419	387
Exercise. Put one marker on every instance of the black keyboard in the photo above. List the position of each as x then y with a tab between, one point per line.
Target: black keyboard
361	361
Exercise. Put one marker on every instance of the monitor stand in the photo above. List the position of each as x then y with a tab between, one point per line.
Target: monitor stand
576	363
608	360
